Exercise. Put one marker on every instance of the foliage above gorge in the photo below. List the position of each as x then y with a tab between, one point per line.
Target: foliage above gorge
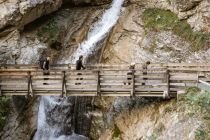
4	110
159	19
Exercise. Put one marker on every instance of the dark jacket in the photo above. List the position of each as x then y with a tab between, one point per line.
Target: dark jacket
79	65
46	65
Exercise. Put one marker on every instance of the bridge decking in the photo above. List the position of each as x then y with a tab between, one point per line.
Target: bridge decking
158	80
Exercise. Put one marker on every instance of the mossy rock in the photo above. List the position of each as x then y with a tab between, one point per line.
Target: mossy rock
159	19
4	110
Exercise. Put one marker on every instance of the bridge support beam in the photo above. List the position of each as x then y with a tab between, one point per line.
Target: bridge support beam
0	90
30	90
133	84
167	92
98	84
64	85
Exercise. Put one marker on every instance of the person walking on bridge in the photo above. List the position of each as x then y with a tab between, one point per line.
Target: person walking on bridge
130	73
79	66
79	63
45	67
145	76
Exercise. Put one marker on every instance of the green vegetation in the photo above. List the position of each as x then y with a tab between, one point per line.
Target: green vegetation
198	104
157	131
158	19
116	132
50	31
152	47
4	110
152	137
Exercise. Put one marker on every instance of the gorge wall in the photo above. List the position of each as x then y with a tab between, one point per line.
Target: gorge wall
154	30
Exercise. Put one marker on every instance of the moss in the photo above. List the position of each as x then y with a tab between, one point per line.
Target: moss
158	19
201	134
152	47
116	132
4	110
198	104
50	31
159	129
152	137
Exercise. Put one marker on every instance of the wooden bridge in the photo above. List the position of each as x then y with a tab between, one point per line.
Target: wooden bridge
154	80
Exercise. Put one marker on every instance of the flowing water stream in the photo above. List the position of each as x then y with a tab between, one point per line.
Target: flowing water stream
55	114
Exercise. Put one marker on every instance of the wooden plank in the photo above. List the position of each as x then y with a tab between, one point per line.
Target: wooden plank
64	84
205	83
98	93
150	89
133	84
167	92
82	86
114	89
0	89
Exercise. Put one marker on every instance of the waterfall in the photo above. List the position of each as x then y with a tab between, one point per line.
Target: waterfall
52	119
98	32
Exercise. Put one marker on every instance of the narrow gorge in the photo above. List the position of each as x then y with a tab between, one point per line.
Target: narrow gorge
110	32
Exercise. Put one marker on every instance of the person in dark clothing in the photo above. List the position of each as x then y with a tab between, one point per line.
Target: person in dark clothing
46	64
145	67
129	74
79	63
45	68
79	66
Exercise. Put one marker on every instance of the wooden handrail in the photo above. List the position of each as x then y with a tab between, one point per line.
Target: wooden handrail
160	80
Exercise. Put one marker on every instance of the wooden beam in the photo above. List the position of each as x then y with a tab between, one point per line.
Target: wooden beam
133	84
205	83
98	84
0	91
30	90
64	84
167	92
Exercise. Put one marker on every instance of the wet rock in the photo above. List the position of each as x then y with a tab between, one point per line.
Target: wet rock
17	13
19	103
87	2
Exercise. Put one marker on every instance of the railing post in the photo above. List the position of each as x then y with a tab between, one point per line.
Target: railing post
30	90
0	88
167	92
98	84
133	83
64	84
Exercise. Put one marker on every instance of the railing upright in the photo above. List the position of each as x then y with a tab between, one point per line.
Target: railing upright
98	92
30	90
133	83
167	92
64	84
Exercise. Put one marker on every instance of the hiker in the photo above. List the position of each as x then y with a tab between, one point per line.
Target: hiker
145	67
45	67
129	74
79	66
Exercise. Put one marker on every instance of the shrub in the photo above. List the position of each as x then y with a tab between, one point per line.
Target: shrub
4	110
116	132
159	19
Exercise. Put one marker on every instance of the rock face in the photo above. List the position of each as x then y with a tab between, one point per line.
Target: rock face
21	125
59	34
16	14
68	28
87	2
131	41
159	121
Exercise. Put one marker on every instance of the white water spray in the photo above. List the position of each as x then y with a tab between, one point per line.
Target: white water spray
96	34
98	31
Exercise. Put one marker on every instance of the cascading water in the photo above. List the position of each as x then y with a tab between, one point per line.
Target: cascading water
51	118
98	32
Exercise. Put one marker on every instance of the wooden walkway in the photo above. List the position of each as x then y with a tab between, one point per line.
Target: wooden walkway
158	80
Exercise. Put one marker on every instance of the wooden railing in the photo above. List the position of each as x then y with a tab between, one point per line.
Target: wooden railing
158	80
